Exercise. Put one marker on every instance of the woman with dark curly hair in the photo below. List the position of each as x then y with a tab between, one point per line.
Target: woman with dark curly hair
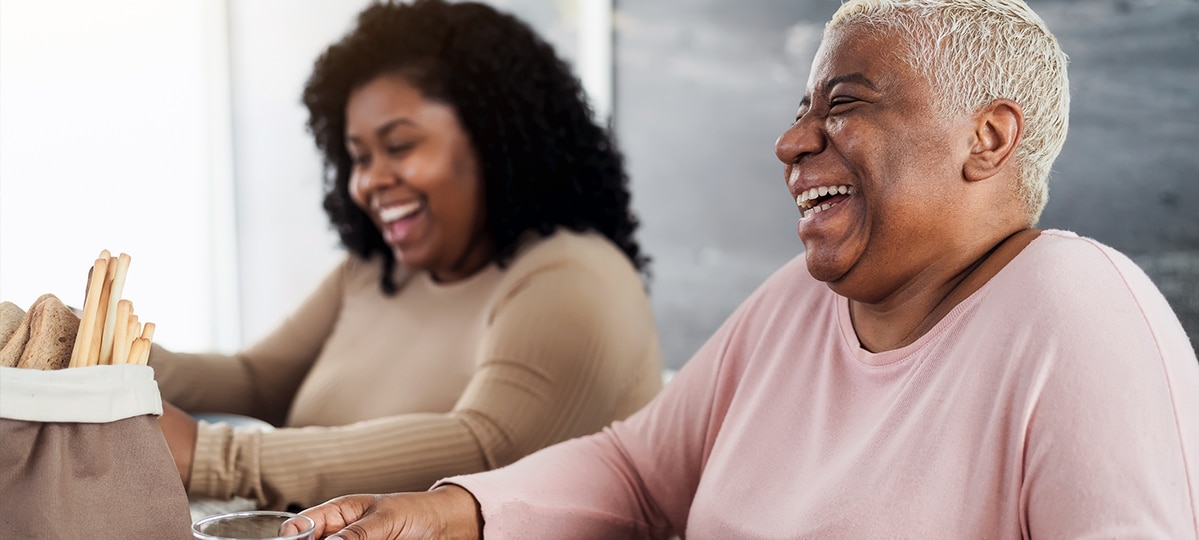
491	303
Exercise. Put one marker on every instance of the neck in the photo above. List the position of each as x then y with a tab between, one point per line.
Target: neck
909	314
478	254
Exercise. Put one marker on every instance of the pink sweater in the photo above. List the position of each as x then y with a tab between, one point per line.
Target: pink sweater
1061	400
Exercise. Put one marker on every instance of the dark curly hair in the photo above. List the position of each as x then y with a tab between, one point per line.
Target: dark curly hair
545	163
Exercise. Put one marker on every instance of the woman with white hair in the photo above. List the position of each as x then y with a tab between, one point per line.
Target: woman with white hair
932	366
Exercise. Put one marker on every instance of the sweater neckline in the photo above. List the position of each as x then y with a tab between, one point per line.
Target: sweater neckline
485	274
849	336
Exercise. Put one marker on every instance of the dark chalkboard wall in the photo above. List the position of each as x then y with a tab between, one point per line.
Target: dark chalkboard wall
703	88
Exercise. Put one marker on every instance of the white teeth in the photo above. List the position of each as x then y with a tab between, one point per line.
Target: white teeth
393	213
803	200
825	206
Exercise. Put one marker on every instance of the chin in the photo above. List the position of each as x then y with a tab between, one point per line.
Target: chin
824	273
822	269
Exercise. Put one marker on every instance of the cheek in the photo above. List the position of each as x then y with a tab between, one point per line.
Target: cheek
835	126
470	182
354	186
468	204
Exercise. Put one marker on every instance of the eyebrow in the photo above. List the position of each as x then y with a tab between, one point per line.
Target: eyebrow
384	129
855	77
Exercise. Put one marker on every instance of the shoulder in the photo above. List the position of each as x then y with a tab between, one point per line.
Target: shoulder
1070	272
578	260
353	267
567	247
1066	249
573	280
790	292
1087	299
571	266
788	303
356	276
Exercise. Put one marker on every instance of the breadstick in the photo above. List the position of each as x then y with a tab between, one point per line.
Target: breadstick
110	307
75	351
93	354
148	335
87	324
145	359
120	333
140	348
135	330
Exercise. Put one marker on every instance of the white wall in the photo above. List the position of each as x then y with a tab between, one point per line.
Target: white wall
285	243
105	144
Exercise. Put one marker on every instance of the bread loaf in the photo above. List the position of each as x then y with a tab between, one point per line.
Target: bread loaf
10	354
10	318
52	331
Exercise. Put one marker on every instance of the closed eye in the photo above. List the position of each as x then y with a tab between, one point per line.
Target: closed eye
399	149
840	101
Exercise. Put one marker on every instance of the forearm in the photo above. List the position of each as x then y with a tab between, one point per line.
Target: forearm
259	382
202	382
583	488
308	465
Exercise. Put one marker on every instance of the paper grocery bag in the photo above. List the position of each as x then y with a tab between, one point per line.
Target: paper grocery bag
82	456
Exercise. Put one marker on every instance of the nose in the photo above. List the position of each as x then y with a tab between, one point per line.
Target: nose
803	138
366	180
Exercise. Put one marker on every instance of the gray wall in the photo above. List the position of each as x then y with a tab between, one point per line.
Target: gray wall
705	86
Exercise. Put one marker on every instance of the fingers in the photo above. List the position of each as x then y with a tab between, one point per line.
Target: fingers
334	515
379	524
397	516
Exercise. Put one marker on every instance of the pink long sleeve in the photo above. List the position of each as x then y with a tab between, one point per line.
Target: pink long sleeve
1061	400
635	479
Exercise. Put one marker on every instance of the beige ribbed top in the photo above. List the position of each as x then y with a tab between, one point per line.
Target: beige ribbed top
382	394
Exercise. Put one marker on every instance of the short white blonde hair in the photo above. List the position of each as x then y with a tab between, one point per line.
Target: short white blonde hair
976	51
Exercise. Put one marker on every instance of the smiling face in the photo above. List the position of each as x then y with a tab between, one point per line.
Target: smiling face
416	174
876	172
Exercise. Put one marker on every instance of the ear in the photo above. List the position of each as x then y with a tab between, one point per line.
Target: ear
997	129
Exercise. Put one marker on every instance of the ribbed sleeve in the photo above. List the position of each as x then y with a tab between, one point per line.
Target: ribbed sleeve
308	465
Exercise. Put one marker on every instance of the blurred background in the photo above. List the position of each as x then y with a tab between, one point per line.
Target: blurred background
173	131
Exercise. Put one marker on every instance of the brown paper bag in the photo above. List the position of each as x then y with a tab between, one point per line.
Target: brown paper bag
82	456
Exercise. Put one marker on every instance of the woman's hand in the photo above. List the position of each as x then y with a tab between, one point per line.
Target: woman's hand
180	431
448	512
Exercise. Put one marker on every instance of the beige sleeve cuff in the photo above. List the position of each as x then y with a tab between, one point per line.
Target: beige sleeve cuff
226	462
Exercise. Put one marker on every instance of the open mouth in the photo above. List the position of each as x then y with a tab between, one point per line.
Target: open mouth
397	212
818	199
399	220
